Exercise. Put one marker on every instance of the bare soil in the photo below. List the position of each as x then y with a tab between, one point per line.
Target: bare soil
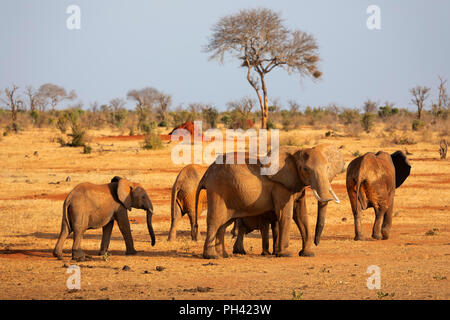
414	262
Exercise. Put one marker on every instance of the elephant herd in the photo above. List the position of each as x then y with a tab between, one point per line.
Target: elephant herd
240	193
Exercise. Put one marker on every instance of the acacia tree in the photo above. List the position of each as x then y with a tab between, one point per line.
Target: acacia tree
55	94
12	101
260	40
420	94
34	98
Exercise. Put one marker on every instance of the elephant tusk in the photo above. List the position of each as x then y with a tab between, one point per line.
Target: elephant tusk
318	197
334	196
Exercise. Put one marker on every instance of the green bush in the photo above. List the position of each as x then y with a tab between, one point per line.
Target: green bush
367	121
78	136
119	117
349	116
270	124
87	149
152	141
417	125
62	123
163	123
387	111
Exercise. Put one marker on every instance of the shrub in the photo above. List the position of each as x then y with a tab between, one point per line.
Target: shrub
270	124
417	125
163	123
403	140
152	141
119	117
387	111
61	141
62	123
78	136
367	121
87	149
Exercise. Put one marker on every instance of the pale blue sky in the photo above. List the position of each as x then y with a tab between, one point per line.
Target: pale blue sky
125	45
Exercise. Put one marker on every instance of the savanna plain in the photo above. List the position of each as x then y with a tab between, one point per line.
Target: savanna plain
37	173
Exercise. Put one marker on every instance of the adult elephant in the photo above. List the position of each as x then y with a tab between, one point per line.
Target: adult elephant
371	182
183	199
240	190
90	206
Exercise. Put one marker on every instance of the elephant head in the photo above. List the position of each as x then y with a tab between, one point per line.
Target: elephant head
402	167
314	167
133	195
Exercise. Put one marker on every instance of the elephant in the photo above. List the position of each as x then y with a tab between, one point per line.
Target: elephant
240	190
261	223
371	182
90	206
183	197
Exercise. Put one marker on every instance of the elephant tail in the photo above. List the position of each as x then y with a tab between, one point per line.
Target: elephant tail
361	200
200	187
174	202
65	217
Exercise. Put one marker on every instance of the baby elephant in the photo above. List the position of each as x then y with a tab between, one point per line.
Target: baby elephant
262	222
90	206
371	182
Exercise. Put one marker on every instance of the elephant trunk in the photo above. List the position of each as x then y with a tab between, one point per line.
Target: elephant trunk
321	215
150	226
323	193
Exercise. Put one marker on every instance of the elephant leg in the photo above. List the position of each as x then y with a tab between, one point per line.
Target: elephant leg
106	237
379	215
275	236
265	238
387	222
283	211
234	231
238	247
301	220
220	239
77	252
57	252
194	229
124	225
356	209
216	217
174	223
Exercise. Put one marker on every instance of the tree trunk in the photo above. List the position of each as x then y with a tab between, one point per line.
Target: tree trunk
265	107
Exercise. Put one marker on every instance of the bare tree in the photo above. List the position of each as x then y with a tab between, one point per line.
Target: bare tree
294	107
244	106
12	101
260	40
443	101
117	104
55	94
34	98
420	94
370	106
163	101
145	98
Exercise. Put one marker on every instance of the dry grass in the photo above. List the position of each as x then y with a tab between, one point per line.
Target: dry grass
34	186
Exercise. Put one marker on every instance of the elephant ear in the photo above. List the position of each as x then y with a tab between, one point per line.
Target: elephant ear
402	167
124	188
287	173
335	160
